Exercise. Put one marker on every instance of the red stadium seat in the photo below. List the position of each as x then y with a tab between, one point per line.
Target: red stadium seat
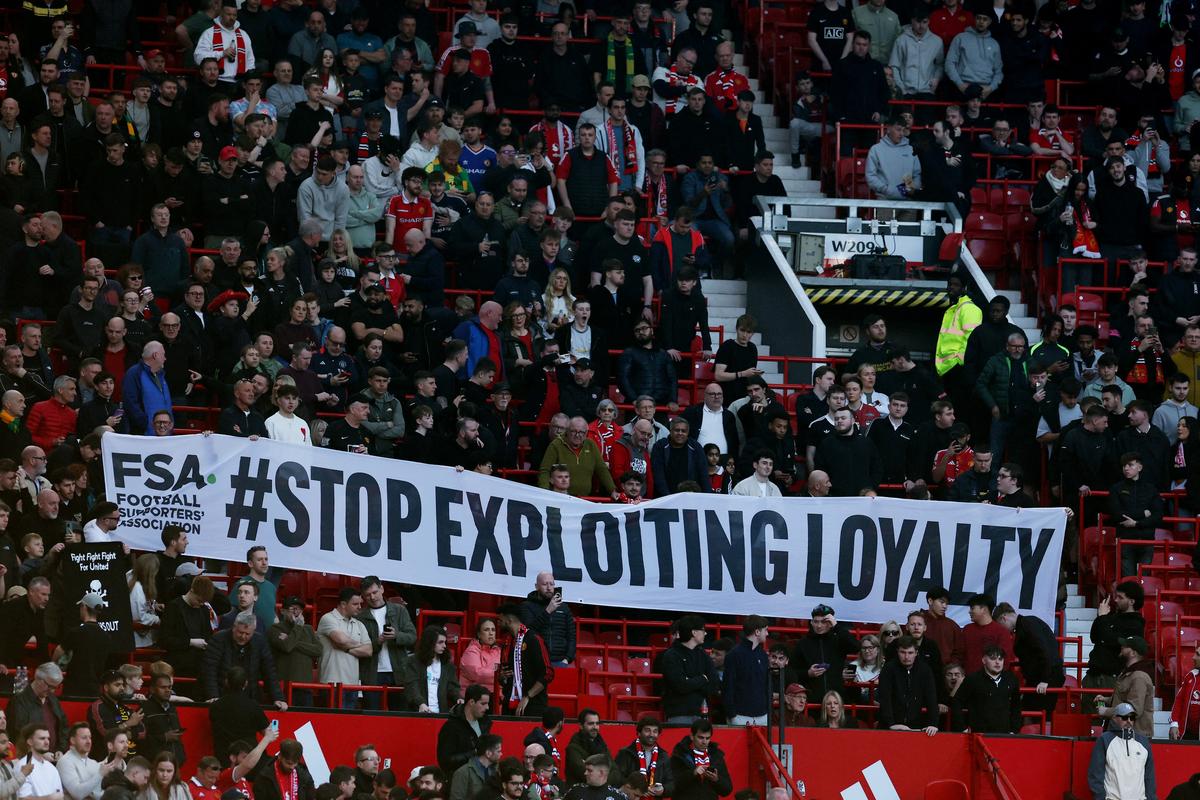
1169	610
591	663
638	666
615	638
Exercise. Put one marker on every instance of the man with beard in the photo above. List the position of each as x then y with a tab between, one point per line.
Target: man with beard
646	758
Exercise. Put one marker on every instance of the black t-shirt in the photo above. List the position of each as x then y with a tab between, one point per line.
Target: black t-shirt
632	254
235	716
736	358
89	648
381	318
463	90
832	29
341	436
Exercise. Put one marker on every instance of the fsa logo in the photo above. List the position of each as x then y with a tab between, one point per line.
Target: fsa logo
163	475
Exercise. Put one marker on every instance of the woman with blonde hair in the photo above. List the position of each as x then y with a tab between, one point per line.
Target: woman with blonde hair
833	713
557	302
341	250
143	600
865	670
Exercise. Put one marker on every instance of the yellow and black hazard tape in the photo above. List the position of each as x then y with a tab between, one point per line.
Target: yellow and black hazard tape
876	297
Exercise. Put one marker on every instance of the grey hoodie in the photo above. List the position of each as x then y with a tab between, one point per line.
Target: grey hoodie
329	204
887	164
916	62
974	58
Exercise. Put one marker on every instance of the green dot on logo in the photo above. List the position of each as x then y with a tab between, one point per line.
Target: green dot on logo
212	479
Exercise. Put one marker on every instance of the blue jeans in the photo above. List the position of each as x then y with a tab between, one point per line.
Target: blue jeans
1001	428
373	701
718	233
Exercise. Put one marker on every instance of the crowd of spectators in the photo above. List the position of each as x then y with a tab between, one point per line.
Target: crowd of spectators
928	674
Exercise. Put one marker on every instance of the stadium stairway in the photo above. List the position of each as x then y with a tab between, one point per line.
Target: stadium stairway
798	181
1077	621
1021	316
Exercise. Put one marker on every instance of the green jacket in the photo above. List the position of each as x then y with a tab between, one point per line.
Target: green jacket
996	382
587	467
295	648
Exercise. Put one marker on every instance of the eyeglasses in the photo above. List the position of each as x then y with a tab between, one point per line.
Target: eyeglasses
891	633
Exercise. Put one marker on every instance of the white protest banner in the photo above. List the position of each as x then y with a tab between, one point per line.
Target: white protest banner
329	511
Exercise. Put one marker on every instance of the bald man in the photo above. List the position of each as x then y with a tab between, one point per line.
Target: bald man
14	436
819	483
544	612
482	335
43	521
425	272
144	387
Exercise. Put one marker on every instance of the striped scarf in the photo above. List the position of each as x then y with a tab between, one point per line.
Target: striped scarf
218	43
628	146
610	63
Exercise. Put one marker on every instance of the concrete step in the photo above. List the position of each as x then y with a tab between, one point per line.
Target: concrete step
787	172
1081	613
715	286
1074	601
1073	627
1072	588
801	188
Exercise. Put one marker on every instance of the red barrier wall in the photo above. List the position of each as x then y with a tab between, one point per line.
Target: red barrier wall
828	761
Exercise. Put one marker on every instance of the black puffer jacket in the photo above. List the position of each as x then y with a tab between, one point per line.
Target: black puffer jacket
825	648
557	630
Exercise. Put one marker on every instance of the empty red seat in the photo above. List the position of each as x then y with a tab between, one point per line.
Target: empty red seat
591	663
1169	610
638	666
615	638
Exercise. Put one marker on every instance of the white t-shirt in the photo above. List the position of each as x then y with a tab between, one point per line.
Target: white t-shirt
93	535
385	658
283	429
43	781
712	428
433	679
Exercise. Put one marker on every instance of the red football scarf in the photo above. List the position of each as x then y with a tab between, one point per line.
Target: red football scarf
218	43
702	759
659	190
629	146
289	783
647	762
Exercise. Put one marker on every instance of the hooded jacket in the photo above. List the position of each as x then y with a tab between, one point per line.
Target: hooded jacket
1122	765
888	163
974	58
916	62
1135	685
327	204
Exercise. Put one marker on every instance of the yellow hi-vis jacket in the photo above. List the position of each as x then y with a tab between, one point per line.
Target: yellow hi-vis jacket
957	323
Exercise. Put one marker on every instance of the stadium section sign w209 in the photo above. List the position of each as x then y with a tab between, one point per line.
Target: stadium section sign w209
327	511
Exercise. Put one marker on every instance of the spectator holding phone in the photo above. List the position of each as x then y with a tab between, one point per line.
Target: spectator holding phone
545	613
820	656
392	636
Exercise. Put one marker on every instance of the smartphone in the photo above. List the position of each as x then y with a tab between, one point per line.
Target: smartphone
387	763
275	725
558	592
120	412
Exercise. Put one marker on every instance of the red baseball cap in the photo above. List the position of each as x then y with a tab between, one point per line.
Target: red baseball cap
152	53
228	152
